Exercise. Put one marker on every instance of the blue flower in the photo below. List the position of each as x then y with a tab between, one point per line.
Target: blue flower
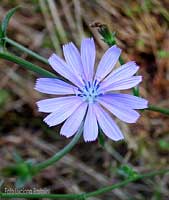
89	96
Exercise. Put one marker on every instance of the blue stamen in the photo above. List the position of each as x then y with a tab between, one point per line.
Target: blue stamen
80	95
97	86
95	83
86	87
79	90
89	92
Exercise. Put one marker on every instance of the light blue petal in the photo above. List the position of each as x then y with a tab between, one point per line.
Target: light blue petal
73	58
122	84
129	100
107	62
61	67
53	104
88	54
90	132
120	110
62	113
107	124
72	124
125	71
54	86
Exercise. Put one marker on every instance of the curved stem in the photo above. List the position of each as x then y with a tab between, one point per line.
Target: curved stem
26	50
59	154
89	194
158	109
27	65
125	182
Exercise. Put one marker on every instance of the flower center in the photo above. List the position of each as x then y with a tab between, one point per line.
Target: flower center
89	92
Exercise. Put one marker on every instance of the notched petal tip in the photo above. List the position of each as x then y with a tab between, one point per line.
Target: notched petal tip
117	48
51	57
132	121
68	44
137	68
65	134
131	62
140	79
119	138
135	119
47	122
38	105
92	39
88	39
90	140
36	87
144	102
114	50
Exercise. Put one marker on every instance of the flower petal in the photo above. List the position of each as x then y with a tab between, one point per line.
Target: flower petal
88	54
54	86
129	100
107	62
90	132
62	113
54	104
125	71
107	124
122	84
61	67
119	109
72	124
73	58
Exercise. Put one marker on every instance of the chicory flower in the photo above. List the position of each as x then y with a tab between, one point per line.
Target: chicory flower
90	96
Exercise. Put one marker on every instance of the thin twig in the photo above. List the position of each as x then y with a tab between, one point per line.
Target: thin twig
50	25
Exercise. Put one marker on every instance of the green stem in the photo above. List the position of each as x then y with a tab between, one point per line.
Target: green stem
26	50
158	109
27	65
89	194
110	39
125	182
59	154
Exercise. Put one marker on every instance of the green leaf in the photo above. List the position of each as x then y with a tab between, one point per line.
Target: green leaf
164	145
17	157
30	162
9	171
0	34
4	97
1	183
27	65
101	138
127	172
22	180
108	36
5	21
163	54
18	169
136	91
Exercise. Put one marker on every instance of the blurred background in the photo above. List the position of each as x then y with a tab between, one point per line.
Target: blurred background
142	32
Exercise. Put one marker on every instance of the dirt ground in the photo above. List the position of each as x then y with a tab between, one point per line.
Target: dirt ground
142	32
